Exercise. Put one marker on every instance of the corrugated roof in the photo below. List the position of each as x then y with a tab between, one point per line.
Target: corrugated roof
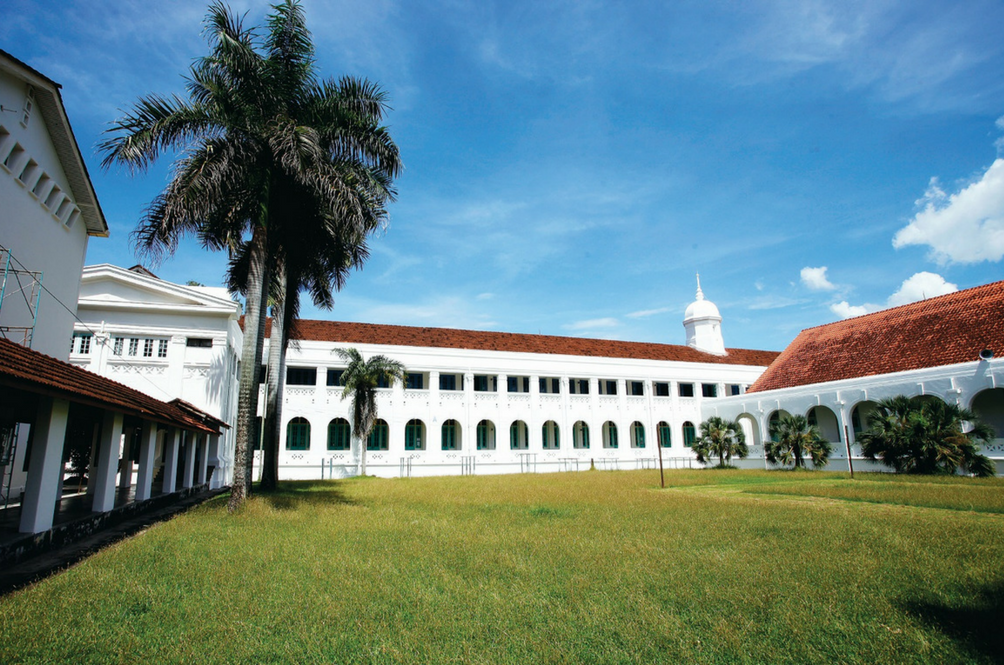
34	372
946	330
480	340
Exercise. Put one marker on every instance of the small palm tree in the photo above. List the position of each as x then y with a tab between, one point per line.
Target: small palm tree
724	438
926	436
361	379
792	439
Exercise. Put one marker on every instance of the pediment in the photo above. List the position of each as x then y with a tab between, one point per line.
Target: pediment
115	287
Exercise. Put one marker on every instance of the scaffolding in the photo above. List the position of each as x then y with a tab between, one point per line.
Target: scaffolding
20	293
21	290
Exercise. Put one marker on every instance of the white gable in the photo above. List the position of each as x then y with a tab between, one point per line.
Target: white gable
107	286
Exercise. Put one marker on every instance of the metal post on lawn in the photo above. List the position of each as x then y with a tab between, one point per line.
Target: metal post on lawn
847	442
662	477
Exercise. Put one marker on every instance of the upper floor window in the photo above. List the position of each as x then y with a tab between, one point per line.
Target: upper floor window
709	390
607	386
148	348
162	348
414	381
301	376
635	388
199	342
550	385
118	346
81	343
450	382
734	389
578	386
518	384
661	388
334	377
484	383
686	389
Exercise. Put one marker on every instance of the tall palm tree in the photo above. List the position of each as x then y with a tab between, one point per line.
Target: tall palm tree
792	439
361	379
914	435
724	438
257	130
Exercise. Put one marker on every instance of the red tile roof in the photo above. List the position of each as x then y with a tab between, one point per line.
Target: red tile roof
34	372
939	331
480	340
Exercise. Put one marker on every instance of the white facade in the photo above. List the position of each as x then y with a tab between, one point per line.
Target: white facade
841	408
47	208
601	410
166	340
620	408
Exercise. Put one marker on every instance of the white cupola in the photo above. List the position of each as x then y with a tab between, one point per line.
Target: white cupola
703	324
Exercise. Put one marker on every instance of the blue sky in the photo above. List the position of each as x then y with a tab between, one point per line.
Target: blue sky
569	166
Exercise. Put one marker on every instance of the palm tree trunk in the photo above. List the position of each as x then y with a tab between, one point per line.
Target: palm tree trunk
254	334
270	445
362	456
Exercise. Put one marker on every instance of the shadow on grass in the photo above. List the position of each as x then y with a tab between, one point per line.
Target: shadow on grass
293	495
974	624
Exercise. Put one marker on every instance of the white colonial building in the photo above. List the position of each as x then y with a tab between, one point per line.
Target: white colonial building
166	340
949	348
473	401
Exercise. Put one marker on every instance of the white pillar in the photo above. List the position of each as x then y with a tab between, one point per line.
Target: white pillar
107	462
216	480
147	451
171	443
43	470
203	440
189	472
125	473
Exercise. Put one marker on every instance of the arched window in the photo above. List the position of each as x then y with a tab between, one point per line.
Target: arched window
609	434
339	434
298	434
580	435
550	435
689	434
519	436
451	435
665	434
414	435
378	436
486	435
637	435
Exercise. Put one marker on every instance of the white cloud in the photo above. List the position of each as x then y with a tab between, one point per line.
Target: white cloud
845	310
965	227
815	279
589	324
485	296
647	312
920	286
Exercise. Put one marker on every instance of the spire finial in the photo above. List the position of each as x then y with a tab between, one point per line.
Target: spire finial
700	294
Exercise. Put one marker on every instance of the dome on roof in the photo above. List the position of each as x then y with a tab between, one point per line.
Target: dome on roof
701	308
703	324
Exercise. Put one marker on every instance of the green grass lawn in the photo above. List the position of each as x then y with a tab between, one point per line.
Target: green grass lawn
597	567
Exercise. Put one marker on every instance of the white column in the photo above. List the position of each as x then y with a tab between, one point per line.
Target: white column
147	451
40	492
203	440
108	461
125	472
171	443
213	458
189	472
